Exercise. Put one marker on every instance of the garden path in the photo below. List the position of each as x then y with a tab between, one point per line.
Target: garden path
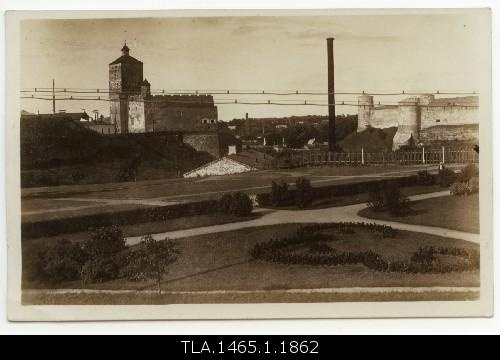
334	214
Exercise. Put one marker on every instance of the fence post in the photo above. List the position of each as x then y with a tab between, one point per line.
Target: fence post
423	155
443	155
362	156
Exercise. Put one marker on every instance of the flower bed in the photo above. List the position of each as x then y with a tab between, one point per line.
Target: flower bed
425	260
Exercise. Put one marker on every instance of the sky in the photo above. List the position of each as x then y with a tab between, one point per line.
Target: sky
415	52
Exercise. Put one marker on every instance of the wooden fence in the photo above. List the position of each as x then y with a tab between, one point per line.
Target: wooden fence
318	158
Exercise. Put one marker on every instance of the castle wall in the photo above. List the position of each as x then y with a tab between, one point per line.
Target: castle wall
204	142
167	117
450	132
385	117
448	115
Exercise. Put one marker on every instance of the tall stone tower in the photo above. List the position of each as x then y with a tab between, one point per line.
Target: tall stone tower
365	112
125	79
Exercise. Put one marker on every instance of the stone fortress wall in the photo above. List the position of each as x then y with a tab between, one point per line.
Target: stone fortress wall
422	118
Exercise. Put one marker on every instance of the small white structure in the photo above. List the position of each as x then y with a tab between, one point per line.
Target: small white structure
224	166
232	149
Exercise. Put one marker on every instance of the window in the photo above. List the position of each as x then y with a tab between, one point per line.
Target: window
205	121
212	121
437	120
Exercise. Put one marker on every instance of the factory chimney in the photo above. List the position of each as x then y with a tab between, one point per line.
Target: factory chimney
247	125
331	95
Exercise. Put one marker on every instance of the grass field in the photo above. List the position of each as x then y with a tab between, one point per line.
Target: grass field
222	262
452	212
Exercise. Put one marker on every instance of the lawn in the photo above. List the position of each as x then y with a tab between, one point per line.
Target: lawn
452	212
222	261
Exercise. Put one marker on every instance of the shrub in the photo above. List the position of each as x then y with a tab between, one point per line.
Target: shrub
103	250
61	261
468	172
425	179
105	242
395	203
321	248
101	269
304	194
225	203
280	194
376	200
465	188
446	177
241	204
263	200
388	197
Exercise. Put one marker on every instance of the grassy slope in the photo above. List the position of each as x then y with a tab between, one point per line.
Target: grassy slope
451	212
372	140
52	150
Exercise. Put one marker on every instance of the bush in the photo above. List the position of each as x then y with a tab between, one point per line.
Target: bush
101	269
388	197
446	177
465	188
425	179
105	242
241	204
104	252
304	194
225	203
280	194
61	261
468	172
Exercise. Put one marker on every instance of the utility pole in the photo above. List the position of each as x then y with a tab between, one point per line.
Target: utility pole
331	95
247	125
53	97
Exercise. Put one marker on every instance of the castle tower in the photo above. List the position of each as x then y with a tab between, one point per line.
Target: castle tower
145	88
125	79
365	112
408	123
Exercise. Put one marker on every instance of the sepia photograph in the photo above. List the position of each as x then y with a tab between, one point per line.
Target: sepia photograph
257	164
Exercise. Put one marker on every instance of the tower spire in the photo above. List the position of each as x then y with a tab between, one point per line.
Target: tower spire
125	49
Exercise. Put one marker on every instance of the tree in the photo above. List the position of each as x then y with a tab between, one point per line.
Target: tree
152	260
304	194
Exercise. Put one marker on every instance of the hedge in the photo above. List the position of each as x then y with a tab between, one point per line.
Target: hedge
119	218
348	189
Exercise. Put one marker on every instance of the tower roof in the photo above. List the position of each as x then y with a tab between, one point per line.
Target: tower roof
125	58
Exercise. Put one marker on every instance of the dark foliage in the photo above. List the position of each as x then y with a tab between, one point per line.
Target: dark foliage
387	197
468	172
446	177
425	179
280	194
304	193
58	262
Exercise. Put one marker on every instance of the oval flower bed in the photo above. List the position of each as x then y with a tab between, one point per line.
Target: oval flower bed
312	238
